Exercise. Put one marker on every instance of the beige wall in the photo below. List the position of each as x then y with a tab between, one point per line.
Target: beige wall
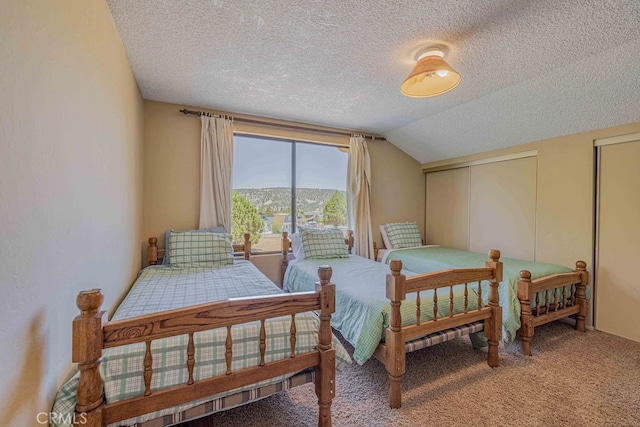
172	175
397	188
70	187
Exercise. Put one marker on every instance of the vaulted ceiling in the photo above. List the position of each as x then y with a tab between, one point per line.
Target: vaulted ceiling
530	69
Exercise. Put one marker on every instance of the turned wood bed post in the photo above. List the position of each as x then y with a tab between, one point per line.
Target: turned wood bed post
152	251
285	256
395	357
493	325
87	353
349	240
581	295
247	246
325	371
525	294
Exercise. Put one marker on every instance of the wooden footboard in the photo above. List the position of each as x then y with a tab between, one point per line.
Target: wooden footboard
392	352
550	298
91	336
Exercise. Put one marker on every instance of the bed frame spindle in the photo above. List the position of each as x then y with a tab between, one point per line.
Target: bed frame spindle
191	358
451	301
546	301
263	342
435	305
466	298
292	335
148	368
418	314
228	355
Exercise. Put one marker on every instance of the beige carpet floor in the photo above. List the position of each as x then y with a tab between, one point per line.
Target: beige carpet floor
573	379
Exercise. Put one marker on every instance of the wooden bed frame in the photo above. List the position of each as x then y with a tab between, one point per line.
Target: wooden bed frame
91	335
392	352
562	305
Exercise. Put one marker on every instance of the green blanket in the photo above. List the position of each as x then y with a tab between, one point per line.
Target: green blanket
428	259
362	308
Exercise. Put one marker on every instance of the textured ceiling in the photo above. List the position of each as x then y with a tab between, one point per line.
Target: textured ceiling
530	69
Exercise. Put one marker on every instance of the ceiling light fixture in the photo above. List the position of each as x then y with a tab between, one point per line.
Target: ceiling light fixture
431	76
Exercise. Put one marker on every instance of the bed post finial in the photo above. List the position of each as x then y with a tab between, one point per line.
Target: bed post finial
87	353
525	294
494	255
396	267
152	251
326	369
324	273
581	295
247	245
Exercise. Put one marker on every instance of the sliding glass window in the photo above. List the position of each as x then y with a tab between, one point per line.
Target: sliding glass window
280	185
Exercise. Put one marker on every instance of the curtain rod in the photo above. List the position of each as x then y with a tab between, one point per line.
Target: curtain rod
285	126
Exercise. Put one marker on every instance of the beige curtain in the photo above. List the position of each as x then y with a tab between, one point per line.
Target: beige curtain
359	195
216	164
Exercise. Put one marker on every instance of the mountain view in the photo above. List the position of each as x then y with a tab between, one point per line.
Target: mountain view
278	199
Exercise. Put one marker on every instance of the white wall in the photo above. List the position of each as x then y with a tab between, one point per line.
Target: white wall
70	187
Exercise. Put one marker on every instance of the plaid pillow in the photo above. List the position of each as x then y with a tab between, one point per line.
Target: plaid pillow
167	235
200	249
403	235
322	244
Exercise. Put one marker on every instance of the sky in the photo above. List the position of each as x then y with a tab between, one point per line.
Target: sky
260	163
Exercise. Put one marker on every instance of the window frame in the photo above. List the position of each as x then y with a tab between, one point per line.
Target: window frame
293	142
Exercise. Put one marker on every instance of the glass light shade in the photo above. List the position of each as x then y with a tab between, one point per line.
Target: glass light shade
431	76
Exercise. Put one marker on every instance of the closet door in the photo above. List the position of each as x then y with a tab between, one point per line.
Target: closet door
502	210
617	298
447	208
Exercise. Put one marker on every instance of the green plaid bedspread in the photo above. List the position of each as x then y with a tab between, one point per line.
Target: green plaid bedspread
160	288
428	259
362	308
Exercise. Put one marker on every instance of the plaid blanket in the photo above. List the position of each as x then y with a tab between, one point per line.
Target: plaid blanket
160	288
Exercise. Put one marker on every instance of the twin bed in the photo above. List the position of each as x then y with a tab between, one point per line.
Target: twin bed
193	339
386	314
532	293
380	310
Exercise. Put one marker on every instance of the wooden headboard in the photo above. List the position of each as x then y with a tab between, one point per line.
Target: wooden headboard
154	253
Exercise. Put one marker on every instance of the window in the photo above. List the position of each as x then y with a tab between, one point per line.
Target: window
279	185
